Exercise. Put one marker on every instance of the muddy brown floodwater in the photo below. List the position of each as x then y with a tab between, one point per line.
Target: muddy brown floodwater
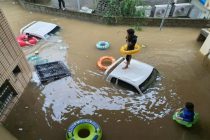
45	112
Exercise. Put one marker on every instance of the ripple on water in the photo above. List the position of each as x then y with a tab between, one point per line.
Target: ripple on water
64	96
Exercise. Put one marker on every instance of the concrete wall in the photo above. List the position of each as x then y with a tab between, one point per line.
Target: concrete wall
206	46
38	1
177	22
5	135
11	57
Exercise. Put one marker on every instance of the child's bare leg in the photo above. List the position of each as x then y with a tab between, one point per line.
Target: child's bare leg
126	65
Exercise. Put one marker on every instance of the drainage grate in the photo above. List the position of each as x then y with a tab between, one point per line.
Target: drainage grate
51	71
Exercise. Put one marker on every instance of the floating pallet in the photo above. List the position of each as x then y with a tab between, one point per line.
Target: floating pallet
52	71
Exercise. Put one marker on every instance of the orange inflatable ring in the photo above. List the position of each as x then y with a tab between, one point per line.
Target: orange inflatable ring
102	60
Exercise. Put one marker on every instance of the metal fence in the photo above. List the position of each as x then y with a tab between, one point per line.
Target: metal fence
191	10
75	4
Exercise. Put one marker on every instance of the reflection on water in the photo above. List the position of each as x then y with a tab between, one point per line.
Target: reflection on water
67	95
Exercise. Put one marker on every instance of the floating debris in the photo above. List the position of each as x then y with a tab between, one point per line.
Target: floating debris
36	60
51	71
20	129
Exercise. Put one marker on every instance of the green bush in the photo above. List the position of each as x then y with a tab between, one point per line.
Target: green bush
127	7
113	8
124	8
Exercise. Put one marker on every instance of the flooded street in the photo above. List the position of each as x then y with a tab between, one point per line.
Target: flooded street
45	112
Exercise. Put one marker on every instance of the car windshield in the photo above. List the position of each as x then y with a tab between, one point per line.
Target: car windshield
148	82
127	86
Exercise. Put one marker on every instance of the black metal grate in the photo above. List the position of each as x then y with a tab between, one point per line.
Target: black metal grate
7	93
51	71
102	6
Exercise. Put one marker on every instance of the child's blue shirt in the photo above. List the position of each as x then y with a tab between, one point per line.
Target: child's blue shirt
187	115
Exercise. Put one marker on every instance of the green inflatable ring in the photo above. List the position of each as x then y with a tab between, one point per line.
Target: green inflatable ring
90	126
182	122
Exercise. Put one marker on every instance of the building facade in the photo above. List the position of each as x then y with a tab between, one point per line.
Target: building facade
15	72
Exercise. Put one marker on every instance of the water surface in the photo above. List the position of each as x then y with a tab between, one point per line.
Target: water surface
45	112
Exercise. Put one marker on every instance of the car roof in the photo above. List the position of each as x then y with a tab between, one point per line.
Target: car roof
135	74
38	28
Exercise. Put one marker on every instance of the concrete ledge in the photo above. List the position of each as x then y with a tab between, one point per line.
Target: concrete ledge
5	134
173	22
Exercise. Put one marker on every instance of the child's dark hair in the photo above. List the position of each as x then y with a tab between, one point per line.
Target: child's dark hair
189	106
130	31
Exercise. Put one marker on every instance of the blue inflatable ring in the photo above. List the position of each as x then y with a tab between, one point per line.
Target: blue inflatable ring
103	45
90	126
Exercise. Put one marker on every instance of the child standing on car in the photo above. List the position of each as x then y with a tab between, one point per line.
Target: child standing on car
131	40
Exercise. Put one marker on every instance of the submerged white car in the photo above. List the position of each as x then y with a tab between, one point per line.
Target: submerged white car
40	29
138	77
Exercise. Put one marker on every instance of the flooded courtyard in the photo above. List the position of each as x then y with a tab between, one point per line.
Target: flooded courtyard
45	112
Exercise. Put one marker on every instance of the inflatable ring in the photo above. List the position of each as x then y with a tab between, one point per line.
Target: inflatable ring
124	51
23	40
103	45
84	129
103	59
185	123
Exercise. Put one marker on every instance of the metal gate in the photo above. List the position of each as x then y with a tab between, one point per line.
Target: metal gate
7	93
